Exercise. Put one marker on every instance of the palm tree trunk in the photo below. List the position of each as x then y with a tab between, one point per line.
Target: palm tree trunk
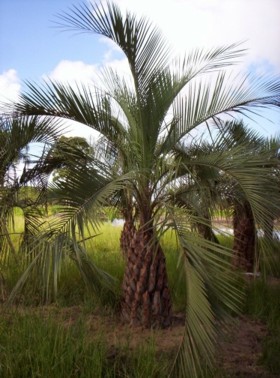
205	229
146	297
207	232
127	233
244	245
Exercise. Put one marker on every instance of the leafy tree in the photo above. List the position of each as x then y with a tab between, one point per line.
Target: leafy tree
141	123
65	151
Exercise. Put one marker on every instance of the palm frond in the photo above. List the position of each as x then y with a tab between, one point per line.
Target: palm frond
45	267
80	198
203	101
211	292
141	42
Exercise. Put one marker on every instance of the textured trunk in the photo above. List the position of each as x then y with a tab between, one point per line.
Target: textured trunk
207	233
127	234
244	245
146	297
205	229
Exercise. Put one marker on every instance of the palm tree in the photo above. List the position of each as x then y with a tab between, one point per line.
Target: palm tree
141	123
21	185
199	192
271	147
16	135
209	189
245	248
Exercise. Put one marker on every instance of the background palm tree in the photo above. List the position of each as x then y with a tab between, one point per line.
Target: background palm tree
207	190
199	192
16	135
21	186
245	246
141	122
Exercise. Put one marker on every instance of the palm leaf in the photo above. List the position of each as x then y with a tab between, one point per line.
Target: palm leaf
211	288
141	42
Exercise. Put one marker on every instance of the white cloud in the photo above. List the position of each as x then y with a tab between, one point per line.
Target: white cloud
188	24
112	48
9	86
77	72
74	72
78	129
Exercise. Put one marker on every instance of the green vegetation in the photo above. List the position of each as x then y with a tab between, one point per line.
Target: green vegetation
68	346
35	346
104	250
263	302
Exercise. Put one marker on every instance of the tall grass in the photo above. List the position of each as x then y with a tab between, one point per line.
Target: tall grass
33	346
104	250
36	347
175	270
263	302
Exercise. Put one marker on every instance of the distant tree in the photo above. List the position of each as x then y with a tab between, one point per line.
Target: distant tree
67	151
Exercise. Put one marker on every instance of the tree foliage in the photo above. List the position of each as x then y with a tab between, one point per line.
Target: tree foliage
66	151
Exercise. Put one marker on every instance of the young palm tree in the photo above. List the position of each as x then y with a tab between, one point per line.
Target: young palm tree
245	248
141	122
210	189
16	135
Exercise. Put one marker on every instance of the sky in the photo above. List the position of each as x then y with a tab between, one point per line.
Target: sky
31	48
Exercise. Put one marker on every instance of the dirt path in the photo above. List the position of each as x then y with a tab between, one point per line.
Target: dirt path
241	349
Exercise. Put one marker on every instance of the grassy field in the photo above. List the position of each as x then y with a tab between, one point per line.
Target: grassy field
75	337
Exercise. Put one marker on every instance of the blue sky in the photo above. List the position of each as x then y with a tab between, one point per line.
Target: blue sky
31	48
31	43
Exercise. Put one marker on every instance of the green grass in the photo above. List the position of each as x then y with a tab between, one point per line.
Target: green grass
73	354
34	346
175	271
104	250
263	302
271	259
225	240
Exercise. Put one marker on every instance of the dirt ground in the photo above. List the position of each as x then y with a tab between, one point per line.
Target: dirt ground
239	350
